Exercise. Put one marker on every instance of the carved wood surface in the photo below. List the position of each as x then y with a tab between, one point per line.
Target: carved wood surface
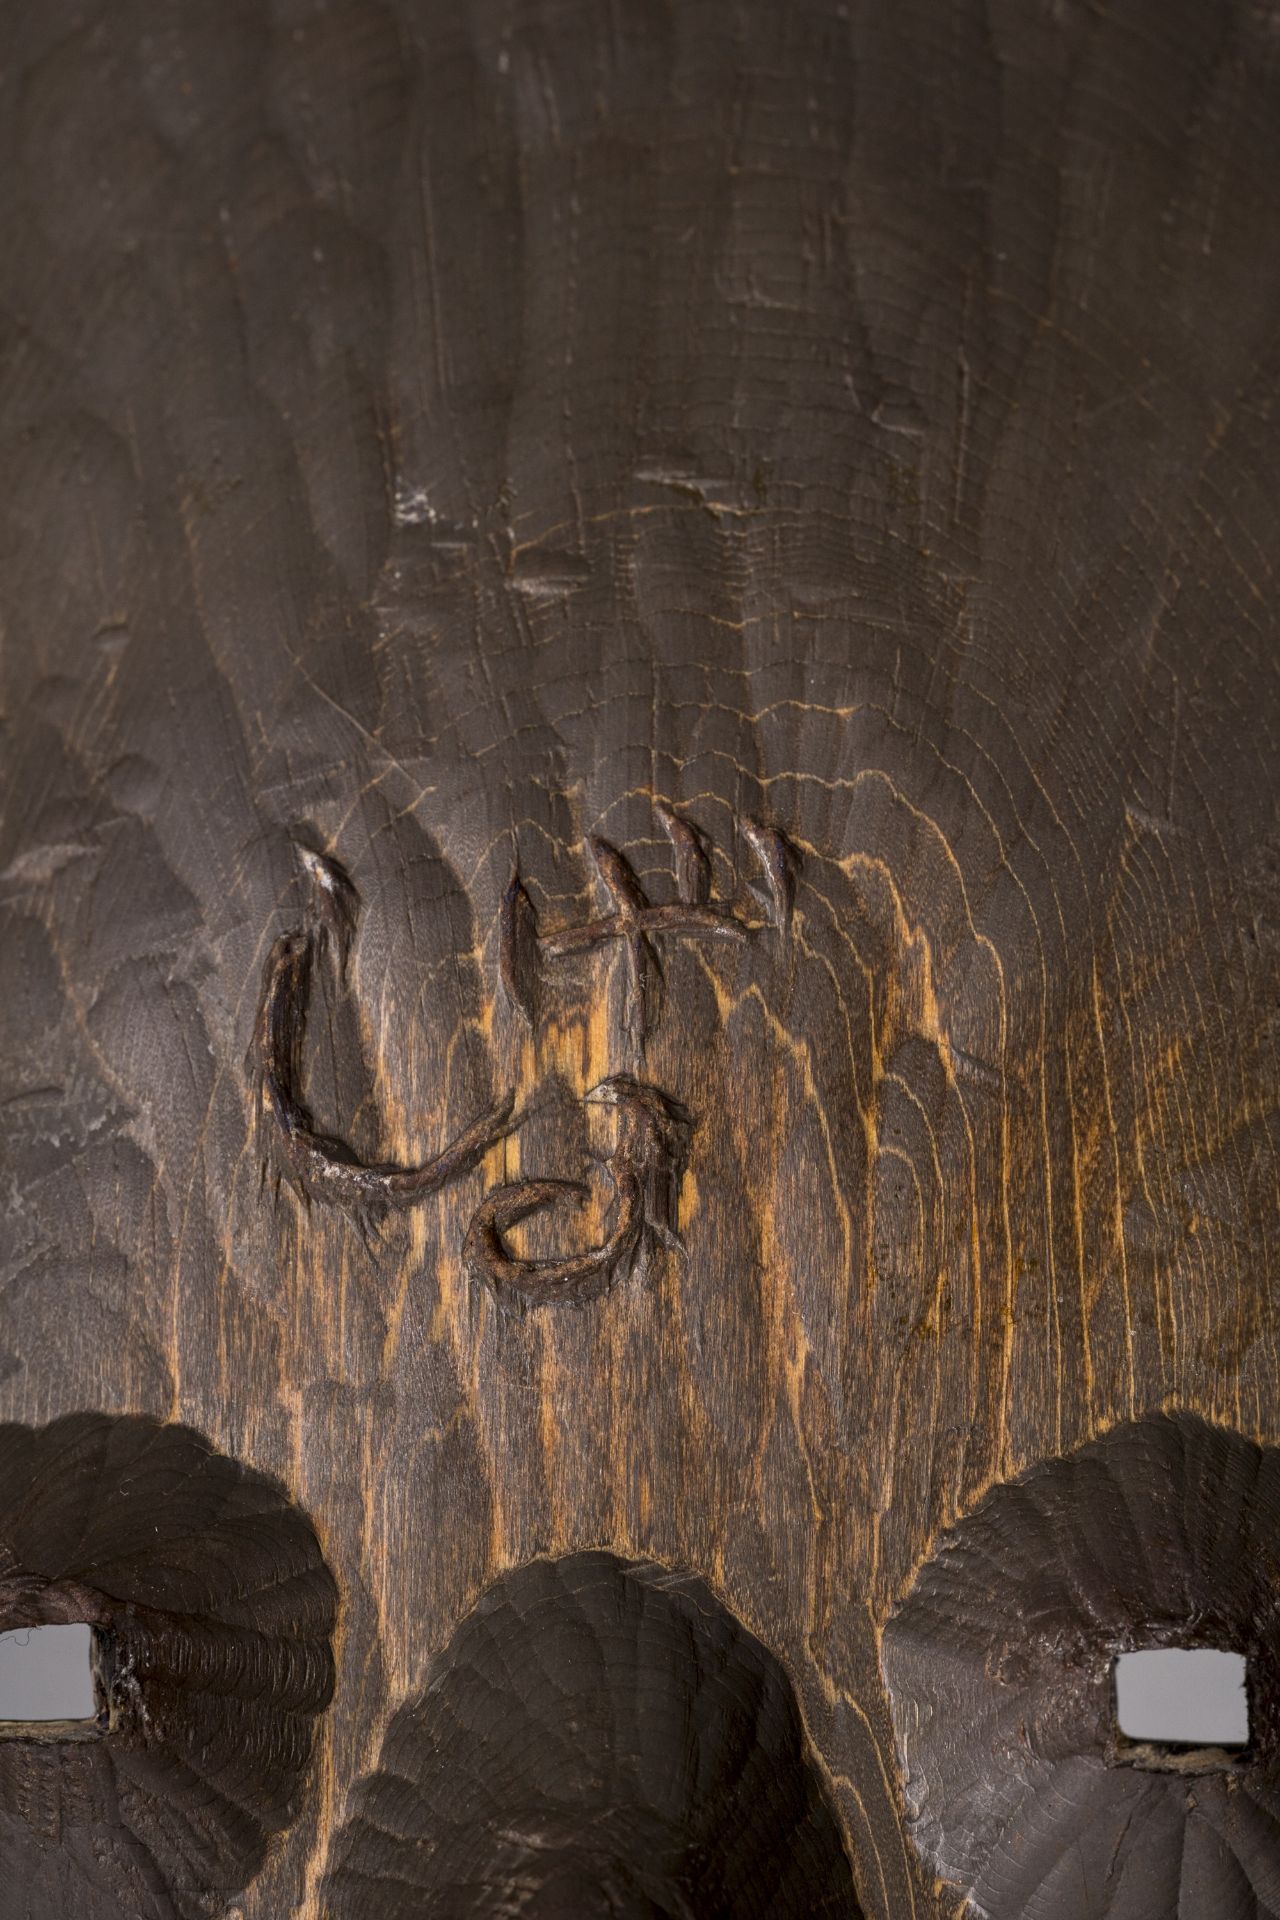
640	862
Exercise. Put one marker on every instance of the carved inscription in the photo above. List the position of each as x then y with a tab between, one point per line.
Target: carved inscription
645	1169
647	1161
601	1737
639	925
316	1164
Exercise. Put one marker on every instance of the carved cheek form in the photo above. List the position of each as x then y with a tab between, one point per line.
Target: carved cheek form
603	1738
214	1614
1019	1790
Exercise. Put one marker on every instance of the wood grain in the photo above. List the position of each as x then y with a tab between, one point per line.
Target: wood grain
448	441
597	1738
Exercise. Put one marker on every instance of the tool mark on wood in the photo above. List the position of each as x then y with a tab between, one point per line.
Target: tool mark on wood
599	1737
645	1169
637	923
317	1165
213	1611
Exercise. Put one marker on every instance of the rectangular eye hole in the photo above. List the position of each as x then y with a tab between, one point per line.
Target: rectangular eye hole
46	1673
1182	1697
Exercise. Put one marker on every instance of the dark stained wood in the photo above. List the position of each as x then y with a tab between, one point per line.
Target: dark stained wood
213	1614
607	1739
314	1163
1166	1532
720	557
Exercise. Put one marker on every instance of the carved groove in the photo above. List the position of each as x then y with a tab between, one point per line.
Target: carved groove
1164	1533
214	1612
599	1738
315	1164
637	924
645	1168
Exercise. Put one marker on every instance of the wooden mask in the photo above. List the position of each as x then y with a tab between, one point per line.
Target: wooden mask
640	881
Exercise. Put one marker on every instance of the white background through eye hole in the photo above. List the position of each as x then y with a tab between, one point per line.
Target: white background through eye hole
45	1674
1183	1696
